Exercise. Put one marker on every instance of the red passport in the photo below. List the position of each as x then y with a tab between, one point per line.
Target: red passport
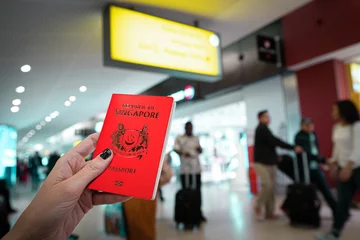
135	129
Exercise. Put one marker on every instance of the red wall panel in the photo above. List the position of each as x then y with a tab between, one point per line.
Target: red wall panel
320	27
317	93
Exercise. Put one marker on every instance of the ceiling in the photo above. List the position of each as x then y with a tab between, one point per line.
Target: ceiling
62	41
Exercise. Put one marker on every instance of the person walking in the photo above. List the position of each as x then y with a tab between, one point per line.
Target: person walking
188	147
52	161
265	161
35	163
344	162
308	140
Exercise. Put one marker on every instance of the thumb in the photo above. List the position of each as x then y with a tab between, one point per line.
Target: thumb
92	169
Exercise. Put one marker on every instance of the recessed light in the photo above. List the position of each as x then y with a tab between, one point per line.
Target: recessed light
32	132
67	103
29	135
16	102
72	99
25	139
25	68
20	89
14	109
48	119
38	127
83	89
54	114
42	123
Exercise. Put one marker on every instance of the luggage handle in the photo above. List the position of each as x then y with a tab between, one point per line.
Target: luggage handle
187	180
305	166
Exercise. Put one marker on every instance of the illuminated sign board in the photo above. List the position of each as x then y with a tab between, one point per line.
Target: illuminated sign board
355	77
145	42
187	94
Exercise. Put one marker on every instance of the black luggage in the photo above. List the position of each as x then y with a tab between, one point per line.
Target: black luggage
302	203
187	206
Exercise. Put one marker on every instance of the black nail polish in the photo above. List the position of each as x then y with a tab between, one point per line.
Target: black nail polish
105	154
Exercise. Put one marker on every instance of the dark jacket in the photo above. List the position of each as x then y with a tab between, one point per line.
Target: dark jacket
302	139
265	146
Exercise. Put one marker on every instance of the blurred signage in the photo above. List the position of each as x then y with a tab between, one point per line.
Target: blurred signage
269	49
355	77
187	94
84	132
145	42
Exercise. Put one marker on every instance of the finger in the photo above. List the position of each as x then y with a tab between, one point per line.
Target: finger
92	169
108	198
86	146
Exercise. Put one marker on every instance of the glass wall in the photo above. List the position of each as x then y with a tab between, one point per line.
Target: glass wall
8	140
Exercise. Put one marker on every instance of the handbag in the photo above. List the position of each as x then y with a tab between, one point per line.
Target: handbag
115	220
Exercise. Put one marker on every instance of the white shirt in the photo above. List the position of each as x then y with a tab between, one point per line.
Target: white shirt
346	144
188	144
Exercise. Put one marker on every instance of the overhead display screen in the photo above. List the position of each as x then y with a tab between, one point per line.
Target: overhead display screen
141	41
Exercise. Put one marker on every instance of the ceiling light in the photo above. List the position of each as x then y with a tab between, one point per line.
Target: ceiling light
54	114
14	109
25	68
20	89
83	89
38	127
39	147
16	102
42	123
48	119
72	98
29	135
32	132
25	139
67	103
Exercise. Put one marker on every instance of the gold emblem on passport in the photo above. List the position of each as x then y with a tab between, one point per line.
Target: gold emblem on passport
130	142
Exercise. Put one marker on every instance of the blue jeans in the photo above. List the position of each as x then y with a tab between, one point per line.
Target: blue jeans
345	192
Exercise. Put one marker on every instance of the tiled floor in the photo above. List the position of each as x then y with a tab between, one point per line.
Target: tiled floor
228	210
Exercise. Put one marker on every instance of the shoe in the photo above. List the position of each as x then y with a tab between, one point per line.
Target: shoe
327	236
258	215
272	217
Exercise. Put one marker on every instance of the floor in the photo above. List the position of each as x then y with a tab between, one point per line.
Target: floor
228	209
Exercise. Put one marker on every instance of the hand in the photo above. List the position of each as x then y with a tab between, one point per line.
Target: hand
298	149
345	174
63	200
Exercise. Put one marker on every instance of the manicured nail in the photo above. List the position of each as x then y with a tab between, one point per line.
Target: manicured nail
105	154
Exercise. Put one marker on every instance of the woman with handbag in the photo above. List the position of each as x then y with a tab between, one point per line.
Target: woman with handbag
345	161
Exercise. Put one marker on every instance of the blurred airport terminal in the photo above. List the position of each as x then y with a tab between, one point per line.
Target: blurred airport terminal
247	76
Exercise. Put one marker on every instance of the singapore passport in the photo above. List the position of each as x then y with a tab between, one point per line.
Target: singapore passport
136	130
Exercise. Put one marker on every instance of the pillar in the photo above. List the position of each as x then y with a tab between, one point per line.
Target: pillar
320	86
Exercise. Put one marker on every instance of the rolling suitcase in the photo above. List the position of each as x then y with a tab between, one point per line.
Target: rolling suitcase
187	205
302	203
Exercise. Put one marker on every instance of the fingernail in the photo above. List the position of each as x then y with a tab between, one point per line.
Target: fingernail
105	154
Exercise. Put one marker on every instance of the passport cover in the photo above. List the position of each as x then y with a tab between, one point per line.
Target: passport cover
135	129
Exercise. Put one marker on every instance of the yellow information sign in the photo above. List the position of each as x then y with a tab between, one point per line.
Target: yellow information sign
142	39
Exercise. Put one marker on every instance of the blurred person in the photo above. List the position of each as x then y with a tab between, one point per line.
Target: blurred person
5	195
64	199
188	147
24	172
344	162
167	161
52	161
265	161
308	140
35	164
140	214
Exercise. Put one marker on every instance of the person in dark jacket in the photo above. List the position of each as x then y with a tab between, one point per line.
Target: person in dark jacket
266	159
307	139
52	161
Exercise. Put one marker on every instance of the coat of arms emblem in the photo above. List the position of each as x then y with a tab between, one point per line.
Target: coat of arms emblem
130	142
